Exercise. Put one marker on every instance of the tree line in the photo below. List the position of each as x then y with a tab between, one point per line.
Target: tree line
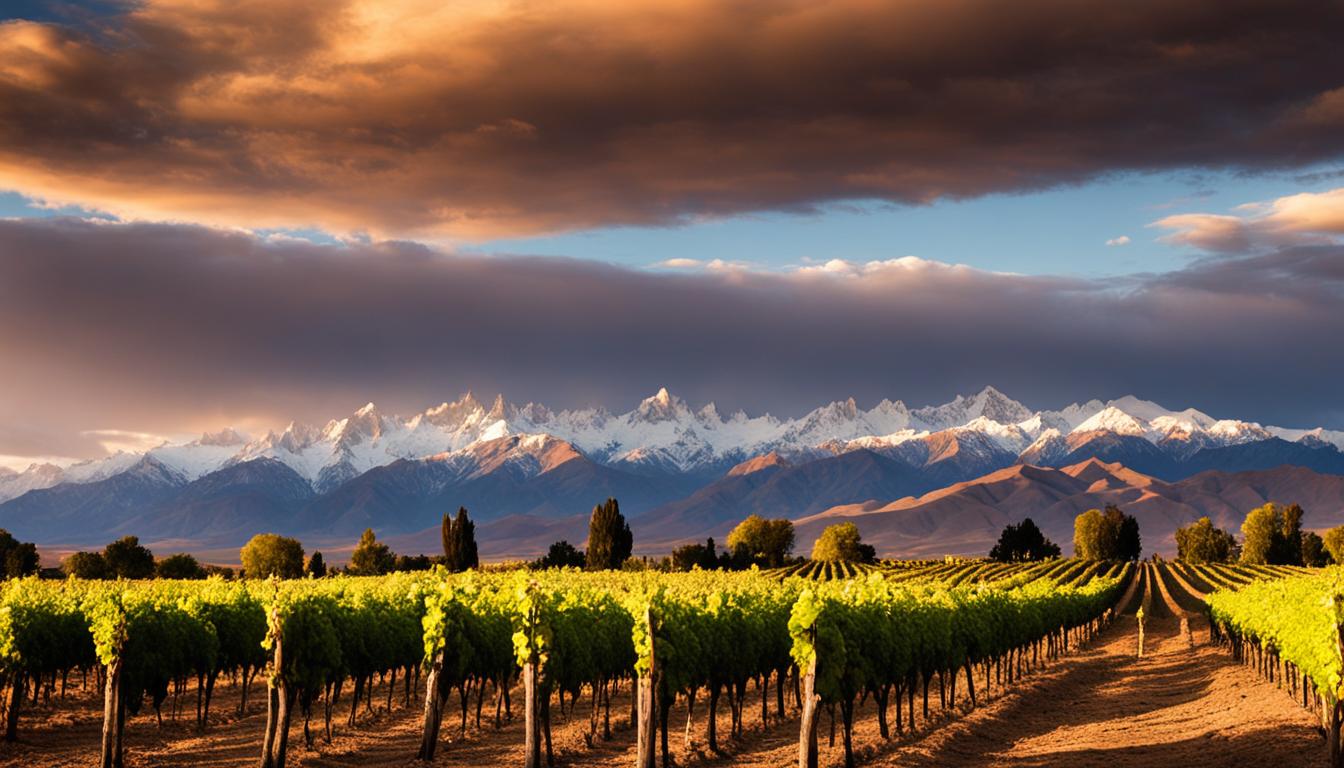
610	543
759	541
756	541
267	554
1098	534
1271	534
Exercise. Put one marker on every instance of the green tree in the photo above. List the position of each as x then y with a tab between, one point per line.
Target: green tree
1022	542
703	556
126	559
562	554
842	541
763	542
1272	534
1108	535
1200	542
22	560
1334	544
1258	532
459	542
316	566
17	558
371	557
88	565
268	554
609	539
1129	544
179	566
1288	545
1313	550
1088	535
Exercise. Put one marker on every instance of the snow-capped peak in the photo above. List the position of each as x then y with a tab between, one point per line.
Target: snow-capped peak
988	402
1112	419
663	406
1147	410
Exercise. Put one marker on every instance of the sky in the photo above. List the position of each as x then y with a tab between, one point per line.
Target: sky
241	213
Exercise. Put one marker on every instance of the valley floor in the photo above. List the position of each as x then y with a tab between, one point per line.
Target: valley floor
1181	704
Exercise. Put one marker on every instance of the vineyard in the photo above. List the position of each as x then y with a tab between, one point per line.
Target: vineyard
825	663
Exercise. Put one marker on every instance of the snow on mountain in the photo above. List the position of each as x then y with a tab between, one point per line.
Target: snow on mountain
1112	419
875	442
1180	433
35	477
989	403
1333	437
1007	436
1047	450
202	456
187	461
1065	419
664	434
100	469
525	456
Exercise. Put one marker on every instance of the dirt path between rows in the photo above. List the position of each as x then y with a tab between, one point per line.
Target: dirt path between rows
1102	706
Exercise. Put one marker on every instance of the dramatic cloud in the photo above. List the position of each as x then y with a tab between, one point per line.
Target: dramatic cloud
1309	217
429	119
158	329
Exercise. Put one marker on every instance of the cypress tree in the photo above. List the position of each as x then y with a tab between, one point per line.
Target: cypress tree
449	543
459	542
610	541
464	531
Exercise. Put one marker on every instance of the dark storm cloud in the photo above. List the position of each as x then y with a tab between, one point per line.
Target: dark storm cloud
161	328
423	118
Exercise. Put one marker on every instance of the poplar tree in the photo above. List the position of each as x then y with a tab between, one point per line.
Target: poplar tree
316	567
610	541
459	542
1272	535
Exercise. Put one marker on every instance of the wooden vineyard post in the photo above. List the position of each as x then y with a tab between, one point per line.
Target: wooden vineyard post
1332	719
111	707
531	716
114	708
530	657
270	746
1139	615
646	692
807	722
16	688
429	735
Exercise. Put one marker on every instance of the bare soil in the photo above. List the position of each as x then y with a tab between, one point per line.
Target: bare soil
1181	704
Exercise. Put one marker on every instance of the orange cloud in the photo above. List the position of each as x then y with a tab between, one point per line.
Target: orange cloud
476	119
1304	218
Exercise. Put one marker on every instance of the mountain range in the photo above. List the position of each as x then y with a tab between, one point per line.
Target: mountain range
529	475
